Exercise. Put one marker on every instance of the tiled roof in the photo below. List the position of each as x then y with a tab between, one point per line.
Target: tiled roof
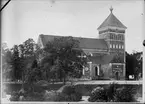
85	43
112	21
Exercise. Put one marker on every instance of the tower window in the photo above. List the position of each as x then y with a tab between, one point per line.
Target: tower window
110	36
119	37
122	37
116	45
110	45
113	45
119	46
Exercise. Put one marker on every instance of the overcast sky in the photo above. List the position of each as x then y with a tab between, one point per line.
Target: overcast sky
23	19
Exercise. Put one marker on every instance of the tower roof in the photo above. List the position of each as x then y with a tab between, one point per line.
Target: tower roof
112	21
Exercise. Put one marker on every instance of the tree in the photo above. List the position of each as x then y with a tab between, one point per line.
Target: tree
63	55
16	63
133	64
28	56
24	60
6	61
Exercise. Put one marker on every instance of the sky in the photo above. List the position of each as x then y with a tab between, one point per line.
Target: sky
23	19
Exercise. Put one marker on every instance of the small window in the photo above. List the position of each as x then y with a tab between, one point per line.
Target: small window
122	46
112	36
110	45
118	37
113	45
122	37
116	45
119	46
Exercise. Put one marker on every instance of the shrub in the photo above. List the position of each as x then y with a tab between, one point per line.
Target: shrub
14	96
51	96
83	89
114	93
98	94
65	93
33	96
124	94
27	96
111	90
68	90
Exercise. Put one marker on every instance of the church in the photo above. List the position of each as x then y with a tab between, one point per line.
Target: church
106	53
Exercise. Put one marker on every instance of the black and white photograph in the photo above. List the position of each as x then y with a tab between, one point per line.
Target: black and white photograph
82	51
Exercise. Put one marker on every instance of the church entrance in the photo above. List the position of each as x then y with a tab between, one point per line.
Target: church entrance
117	77
96	71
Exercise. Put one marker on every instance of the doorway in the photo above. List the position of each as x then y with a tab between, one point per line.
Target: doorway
96	71
117	75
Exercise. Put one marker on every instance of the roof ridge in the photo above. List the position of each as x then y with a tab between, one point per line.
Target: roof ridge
71	36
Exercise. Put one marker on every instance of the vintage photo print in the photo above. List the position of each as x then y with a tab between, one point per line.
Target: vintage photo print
68	51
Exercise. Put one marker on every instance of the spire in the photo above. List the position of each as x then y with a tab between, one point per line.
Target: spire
111	9
112	21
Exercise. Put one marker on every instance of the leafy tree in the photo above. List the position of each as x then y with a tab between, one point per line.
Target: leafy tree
28	56
63	54
133	64
6	61
16	63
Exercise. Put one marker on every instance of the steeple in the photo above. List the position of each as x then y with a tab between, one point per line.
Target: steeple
111	21
111	9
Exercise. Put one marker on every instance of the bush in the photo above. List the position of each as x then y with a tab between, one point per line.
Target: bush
33	96
124	94
84	90
111	90
68	90
112	93
27	96
98	94
65	93
14	96
50	96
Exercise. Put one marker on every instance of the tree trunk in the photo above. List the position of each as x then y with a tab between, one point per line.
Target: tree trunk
22	80
64	80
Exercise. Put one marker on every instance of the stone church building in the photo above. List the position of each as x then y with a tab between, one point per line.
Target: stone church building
106	54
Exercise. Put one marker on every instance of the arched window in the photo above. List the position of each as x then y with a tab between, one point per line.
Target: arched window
122	47
119	46
120	37
117	37
111	36
97	71
110	45
113	45
116	45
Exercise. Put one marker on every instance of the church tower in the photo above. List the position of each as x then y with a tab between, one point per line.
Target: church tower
112	31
